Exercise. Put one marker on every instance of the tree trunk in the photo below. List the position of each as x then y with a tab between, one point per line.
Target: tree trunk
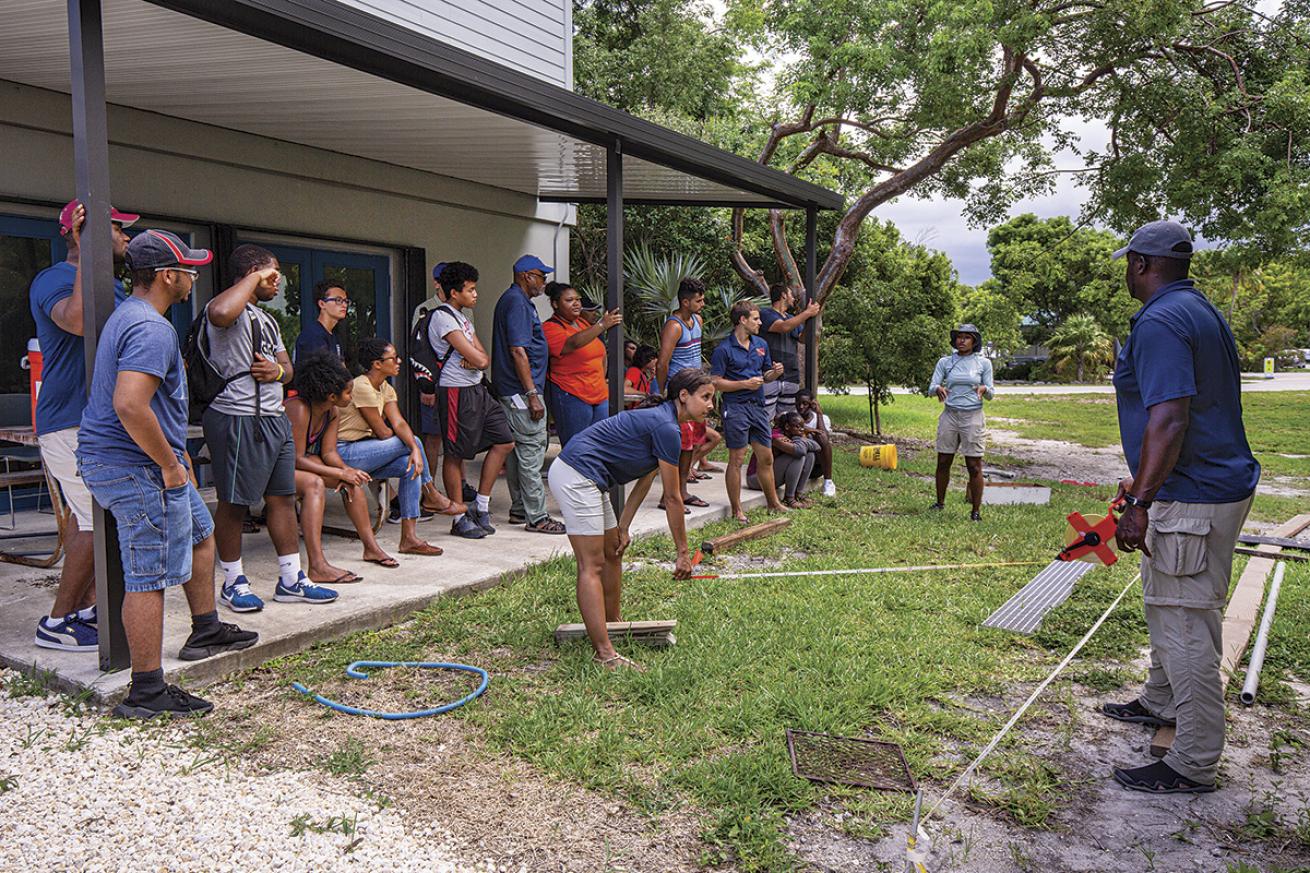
877	419
1078	375
873	412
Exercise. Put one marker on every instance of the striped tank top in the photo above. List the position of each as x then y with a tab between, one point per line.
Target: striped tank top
687	352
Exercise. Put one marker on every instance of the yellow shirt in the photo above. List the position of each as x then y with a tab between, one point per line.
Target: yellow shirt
352	425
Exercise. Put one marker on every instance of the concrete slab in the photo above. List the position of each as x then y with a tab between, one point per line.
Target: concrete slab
384	598
1014	493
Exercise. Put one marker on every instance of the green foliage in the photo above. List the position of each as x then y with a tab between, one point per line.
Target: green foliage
1266	303
995	314
891	328
651	293
1079	347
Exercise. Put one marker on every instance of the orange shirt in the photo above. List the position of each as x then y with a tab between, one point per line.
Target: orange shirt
582	371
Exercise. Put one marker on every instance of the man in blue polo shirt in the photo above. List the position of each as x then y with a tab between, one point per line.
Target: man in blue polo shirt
1178	385
518	376
741	365
56	302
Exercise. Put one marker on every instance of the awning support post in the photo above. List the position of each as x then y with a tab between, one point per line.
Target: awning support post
91	166
811	280
614	284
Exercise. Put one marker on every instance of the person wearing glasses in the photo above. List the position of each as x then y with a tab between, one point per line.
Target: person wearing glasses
519	354
133	458
333	306
248	434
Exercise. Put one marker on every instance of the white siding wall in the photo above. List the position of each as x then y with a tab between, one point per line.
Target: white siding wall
533	36
165	166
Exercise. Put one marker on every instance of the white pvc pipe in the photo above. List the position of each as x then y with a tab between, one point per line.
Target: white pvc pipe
1262	638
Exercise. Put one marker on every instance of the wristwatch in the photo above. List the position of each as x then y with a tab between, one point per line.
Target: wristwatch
1136	501
533	393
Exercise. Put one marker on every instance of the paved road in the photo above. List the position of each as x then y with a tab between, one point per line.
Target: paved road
1295	381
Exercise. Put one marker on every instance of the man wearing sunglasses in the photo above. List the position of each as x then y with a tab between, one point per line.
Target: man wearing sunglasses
333	306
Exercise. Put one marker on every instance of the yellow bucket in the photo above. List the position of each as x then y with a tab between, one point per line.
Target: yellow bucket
882	457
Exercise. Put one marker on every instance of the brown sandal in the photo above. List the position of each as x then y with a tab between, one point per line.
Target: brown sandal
426	549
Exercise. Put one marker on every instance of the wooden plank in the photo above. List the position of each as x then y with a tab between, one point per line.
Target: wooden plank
1240	616
753	532
657	633
1282	556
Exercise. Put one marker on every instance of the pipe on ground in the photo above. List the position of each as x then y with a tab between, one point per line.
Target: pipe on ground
1262	638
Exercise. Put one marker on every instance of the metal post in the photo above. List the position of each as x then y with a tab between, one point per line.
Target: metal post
614	283
811	280
91	168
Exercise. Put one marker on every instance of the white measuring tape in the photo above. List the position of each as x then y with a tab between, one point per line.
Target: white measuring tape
863	570
914	856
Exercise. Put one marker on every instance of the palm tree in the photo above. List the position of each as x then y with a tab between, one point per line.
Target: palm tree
652	282
1079	343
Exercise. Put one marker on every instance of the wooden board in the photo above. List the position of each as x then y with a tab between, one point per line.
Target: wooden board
753	532
652	633
1240	616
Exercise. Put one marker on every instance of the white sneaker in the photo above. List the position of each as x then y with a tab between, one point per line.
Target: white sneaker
829	488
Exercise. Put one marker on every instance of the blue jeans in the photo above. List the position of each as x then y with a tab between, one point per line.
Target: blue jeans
157	527
572	414
387	459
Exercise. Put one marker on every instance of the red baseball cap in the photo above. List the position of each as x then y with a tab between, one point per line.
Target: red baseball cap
127	219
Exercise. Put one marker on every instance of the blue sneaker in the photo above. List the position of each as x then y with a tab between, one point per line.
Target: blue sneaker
467	526
303	591
93	618
69	634
483	519
238	597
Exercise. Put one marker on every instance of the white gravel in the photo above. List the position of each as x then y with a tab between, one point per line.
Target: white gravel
77	793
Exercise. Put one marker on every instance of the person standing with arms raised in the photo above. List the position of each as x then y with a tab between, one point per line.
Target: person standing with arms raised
579	395
1178	386
741	366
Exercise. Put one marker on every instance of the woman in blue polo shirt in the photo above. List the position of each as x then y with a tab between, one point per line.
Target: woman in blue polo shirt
629	447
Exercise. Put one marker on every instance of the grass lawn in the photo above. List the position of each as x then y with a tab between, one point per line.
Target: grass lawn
899	657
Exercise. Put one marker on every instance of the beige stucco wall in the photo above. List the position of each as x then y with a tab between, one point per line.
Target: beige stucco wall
163	166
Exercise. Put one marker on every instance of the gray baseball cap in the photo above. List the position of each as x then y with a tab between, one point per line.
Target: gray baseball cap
1160	239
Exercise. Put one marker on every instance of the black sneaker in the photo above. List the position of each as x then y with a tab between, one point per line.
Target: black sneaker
170	701
225	637
469	493
467	526
975	515
1159	778
1136	713
515	518
393	516
937	507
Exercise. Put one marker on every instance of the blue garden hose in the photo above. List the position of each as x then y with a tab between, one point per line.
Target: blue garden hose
354	672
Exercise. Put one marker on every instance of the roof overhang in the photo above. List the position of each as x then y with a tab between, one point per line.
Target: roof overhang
322	74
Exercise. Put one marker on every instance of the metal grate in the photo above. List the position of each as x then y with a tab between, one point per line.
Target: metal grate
823	757
1024	611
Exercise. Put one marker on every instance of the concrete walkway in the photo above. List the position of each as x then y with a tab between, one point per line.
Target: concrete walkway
384	598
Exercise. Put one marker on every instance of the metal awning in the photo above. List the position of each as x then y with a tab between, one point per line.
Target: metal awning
322	74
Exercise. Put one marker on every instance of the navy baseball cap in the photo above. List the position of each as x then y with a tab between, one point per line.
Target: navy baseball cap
436	271
1160	239
528	263
159	249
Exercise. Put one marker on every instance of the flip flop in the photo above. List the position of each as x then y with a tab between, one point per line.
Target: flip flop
693	500
345	579
686	510
424	549
389	563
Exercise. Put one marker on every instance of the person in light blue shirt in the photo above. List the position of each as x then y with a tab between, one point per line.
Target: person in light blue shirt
961	381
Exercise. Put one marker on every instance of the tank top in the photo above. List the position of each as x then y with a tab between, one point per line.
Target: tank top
687	351
314	441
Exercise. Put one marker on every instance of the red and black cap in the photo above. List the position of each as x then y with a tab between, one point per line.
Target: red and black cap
126	219
159	249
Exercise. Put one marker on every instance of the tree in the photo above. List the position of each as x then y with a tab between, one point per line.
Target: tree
1265	303
1080	343
995	314
1206	105
891	327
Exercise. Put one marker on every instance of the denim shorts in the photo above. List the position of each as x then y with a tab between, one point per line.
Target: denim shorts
157	528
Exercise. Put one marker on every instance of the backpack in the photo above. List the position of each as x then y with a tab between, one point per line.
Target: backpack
424	364
204	382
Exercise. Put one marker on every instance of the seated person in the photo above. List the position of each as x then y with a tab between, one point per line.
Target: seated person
794	455
323	384
371	435
640	376
818	427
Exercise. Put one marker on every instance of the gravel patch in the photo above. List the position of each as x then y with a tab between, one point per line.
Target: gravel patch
80	792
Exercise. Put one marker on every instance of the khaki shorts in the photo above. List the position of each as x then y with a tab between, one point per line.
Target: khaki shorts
587	510
59	454
961	432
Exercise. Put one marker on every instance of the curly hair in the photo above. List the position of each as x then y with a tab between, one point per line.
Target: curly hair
644	355
319	376
371	348
455	274
690	287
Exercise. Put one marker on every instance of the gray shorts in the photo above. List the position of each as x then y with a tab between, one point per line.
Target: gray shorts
961	432
246	468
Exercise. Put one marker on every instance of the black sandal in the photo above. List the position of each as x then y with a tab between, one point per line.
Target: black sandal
1159	778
